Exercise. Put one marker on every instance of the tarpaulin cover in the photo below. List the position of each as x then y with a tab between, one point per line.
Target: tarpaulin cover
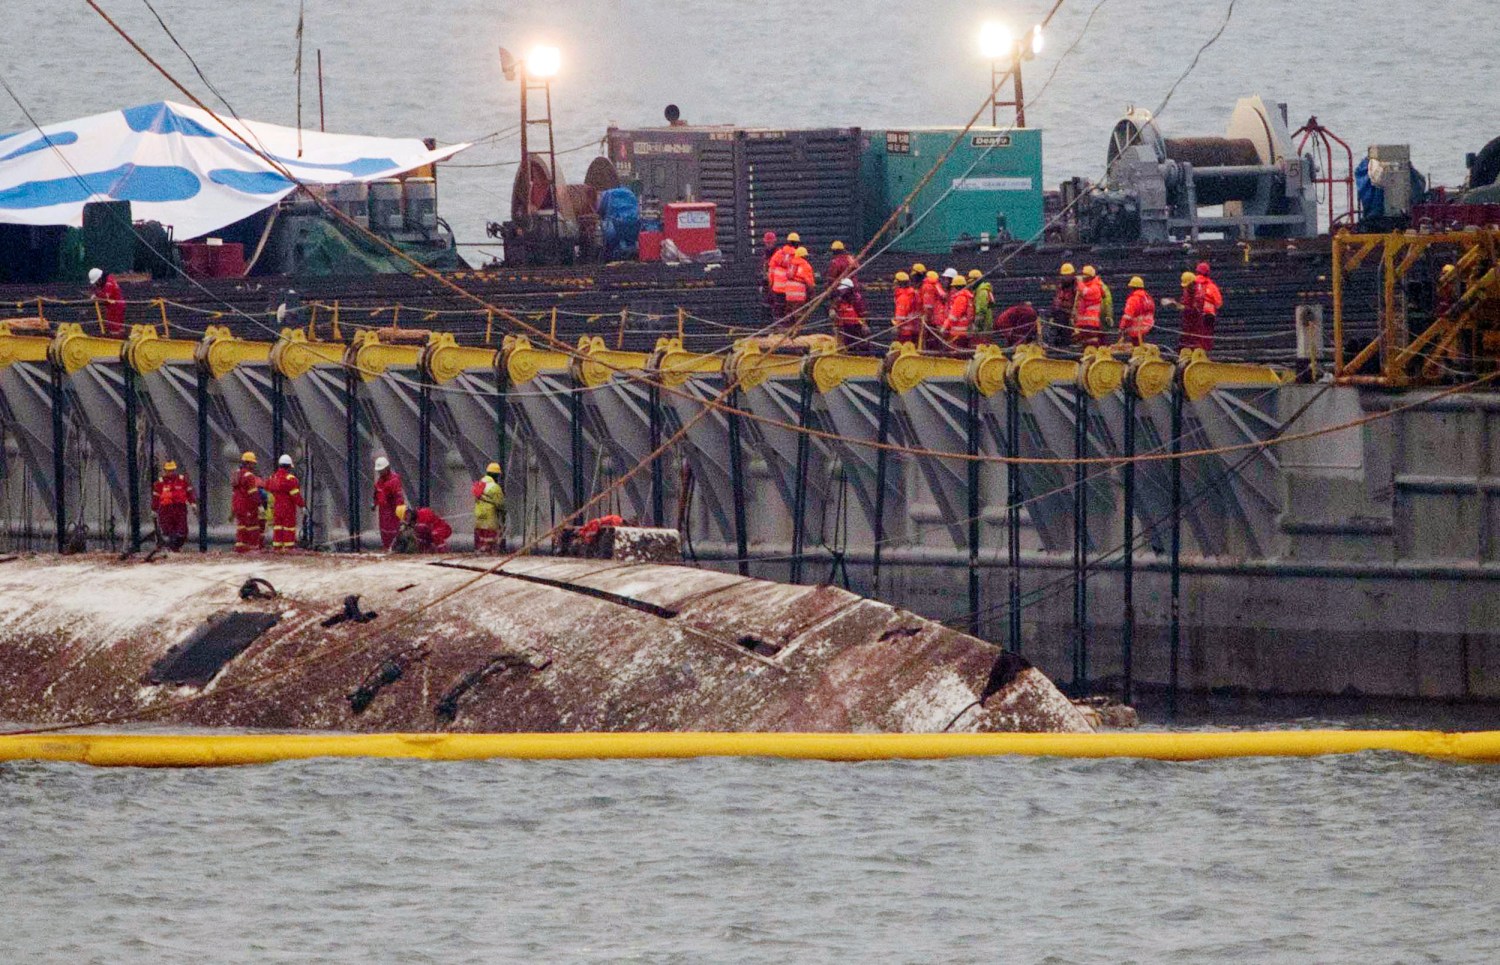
179	166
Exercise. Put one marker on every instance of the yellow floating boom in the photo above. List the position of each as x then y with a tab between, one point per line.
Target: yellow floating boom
215	750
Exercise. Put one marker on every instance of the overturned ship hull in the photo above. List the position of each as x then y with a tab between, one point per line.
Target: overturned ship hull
545	645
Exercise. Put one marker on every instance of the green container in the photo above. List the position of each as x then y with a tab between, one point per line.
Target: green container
990	185
109	236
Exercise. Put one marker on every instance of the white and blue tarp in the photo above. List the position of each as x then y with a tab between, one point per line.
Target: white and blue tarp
178	165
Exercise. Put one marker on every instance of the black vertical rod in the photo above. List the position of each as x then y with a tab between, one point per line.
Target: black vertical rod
1013	510
424	442
737	484
658	481
1127	639
799	498
575	434
278	416
972	431
351	459
59	457
133	456
1080	540
882	469
1176	626
202	399
502	411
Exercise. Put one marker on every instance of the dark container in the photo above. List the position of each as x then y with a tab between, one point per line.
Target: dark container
109	236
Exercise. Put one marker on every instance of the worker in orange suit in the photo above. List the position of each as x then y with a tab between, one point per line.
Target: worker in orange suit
1140	313
170	498
840	265
779	270
287	502
245	503
1213	300
960	318
934	302
801	279
388	496
1088	308
106	291
908	317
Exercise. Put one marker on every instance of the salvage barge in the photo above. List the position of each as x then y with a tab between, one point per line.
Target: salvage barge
546	645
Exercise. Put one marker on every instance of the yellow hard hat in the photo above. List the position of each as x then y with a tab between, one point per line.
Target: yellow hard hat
169	466
836	246
959	282
932	276
794	238
401	511
1088	271
1188	278
975	274
1067	270
1449	269
493	469
919	269
1136	282
248	457
801	252
902	276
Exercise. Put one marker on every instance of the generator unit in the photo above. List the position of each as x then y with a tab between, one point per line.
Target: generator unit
988	191
1157	187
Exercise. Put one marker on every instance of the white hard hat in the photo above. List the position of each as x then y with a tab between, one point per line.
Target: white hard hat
382	464
94	275
847	283
285	460
951	273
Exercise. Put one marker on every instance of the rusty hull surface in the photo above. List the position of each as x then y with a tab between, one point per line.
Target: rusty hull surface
549	645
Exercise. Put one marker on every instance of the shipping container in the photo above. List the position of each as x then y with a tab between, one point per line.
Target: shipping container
990	186
761	180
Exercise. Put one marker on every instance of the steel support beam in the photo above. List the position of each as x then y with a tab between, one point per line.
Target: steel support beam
1175	630
201	395
737	483
1127	631
1080	541
972	472
355	504
59	457
133	460
424	441
882	468
1013	510
799	501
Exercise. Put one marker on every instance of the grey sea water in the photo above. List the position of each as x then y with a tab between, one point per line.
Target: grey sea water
1369	859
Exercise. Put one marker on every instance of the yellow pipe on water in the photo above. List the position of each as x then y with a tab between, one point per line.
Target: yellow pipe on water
213	750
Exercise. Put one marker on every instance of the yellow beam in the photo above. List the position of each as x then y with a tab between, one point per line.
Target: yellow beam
294	355
602	363
674	365
1201	375
372	358
1031	371
1099	372
987	369
222	352
907	368
829	370
751	367
21	348
146	352
220	750
444	359
524	362
1148	374
73	349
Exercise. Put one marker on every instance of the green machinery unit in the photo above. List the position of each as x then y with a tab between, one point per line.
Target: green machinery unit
989	188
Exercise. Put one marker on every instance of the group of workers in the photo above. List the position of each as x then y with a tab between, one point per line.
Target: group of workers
958	311
277	501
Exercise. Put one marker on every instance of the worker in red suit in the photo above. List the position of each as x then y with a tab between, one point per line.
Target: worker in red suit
246	503
1088	308
1194	335
1016	325
1063	305
106	291
286	504
431	530
768	248
908	317
849	317
934	301
1140	313
1213	300
841	264
388	497
960	318
170	499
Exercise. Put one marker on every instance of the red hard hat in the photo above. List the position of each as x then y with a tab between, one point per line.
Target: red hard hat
769	237
1202	267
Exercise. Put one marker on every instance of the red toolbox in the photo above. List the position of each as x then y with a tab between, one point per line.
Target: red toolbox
692	225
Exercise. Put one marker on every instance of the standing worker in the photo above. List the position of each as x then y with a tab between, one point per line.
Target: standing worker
779	270
489	510
800	281
106	291
984	304
934	302
960	317
1063	304
286	494
908	317
1140	313
841	264
1212	300
1192	335
768	249
848	312
388	495
1087	308
170	498
246	504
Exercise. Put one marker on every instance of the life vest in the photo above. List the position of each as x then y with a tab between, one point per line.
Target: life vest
1140	314
1212	298
960	313
781	268
800	280
1090	303
171	491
